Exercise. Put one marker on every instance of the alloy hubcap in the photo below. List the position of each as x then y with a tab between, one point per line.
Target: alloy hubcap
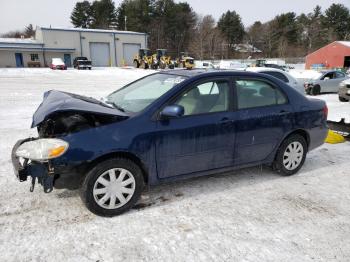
293	155
114	188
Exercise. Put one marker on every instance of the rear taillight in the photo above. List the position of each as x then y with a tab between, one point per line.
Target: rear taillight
325	111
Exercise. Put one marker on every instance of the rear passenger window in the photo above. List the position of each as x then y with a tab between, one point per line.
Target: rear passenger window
255	93
278	75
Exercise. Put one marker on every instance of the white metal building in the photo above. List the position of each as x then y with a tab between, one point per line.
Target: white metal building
103	47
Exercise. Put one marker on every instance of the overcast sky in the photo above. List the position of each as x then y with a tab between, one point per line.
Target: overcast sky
15	14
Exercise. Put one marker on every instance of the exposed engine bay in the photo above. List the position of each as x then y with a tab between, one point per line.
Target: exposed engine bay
64	123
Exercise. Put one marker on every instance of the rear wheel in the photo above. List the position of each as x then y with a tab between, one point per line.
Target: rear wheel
291	155
342	99
143	65
162	65
112	187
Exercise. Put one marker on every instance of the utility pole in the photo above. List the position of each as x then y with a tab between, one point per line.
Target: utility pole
125	19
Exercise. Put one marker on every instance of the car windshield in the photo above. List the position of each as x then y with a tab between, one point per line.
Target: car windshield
138	95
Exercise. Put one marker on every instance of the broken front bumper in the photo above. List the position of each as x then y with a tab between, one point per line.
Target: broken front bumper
344	92
40	171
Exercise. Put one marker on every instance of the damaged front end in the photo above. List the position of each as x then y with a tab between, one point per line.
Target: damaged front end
31	158
59	115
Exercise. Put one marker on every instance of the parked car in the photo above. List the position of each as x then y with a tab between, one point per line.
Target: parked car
167	126
280	74
82	62
57	63
327	81
344	91
231	65
204	65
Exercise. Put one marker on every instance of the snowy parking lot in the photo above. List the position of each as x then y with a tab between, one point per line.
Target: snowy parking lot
248	215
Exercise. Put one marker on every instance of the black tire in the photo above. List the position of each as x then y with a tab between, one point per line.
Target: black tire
143	65
342	99
315	90
308	91
278	164
87	195
136	64
162	66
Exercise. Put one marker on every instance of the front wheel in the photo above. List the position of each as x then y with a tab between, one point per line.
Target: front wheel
342	99
136	64
112	187
291	155
315	90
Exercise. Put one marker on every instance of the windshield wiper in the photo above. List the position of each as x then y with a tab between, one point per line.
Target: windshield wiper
115	105
107	102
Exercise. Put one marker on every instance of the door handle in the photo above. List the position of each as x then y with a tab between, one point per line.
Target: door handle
225	121
283	112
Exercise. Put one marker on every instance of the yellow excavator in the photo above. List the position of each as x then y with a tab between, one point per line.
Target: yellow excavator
162	60
143	59
185	61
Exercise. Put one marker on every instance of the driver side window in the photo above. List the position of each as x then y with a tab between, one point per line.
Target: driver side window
208	97
328	76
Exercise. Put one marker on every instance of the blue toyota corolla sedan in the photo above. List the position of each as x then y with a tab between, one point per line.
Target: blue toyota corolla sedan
167	126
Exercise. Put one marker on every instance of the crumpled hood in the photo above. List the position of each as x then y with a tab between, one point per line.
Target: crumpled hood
57	101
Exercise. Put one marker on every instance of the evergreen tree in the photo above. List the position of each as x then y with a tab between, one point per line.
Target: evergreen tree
337	18
103	15
179	24
29	31
255	35
232	27
311	33
81	15
138	14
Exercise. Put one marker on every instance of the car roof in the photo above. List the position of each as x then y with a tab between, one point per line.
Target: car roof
208	72
259	69
328	71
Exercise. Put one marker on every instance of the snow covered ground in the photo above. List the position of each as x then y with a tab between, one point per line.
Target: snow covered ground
248	215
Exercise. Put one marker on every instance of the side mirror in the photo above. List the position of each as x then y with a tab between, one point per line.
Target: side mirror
326	78
172	111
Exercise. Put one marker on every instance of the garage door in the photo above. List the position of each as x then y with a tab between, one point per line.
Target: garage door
99	53
129	51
